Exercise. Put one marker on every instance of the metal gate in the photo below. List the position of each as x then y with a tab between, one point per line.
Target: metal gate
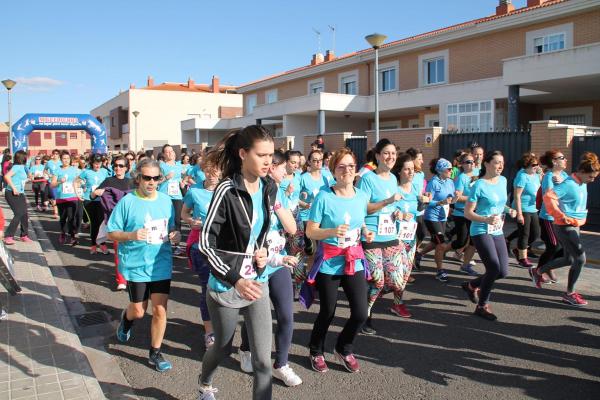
581	144
358	145
511	144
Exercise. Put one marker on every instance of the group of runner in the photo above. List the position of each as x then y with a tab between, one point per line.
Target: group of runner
266	229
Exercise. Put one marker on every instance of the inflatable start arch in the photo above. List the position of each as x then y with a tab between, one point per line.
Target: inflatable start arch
70	122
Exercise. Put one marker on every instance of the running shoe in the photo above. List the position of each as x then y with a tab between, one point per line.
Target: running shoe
318	363
368	329
121	334
121	286
525	263
103	249
552	276
9	240
287	375
400	310
93	250
468	269
26	239
472	293
209	340
535	277
246	361
73	241
350	362
485	312
418	257
62	238
158	362
472	263
574	299
442	276
207	393
38	208
3	314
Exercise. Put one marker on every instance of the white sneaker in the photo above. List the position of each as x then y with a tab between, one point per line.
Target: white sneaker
287	375
121	286
246	361
473	263
3	314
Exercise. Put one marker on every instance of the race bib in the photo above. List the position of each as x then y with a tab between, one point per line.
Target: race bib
386	225
79	192
275	242
446	210
496	228
157	231
248	271
68	188
38	174
350	239
173	188
407	231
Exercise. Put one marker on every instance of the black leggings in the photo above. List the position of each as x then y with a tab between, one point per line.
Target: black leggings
553	249
96	215
526	233
178	205
355	288
18	205
421	228
494	255
69	222
574	255
39	191
461	229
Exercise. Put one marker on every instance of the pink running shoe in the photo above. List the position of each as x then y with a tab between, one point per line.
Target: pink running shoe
26	239
574	299
9	240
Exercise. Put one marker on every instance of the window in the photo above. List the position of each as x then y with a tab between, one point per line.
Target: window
545	44
349	84
434	71
47	135
35	139
73	135
470	117
271	96
387	78
575	119
316	86
60	139
4	139
250	103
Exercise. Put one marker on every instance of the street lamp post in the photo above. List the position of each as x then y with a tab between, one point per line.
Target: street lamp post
135	114
376	40
9	84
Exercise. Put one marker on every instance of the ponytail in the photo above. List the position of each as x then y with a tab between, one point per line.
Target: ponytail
589	163
227	151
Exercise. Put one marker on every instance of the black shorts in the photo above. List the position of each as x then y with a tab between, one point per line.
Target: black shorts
141	291
437	230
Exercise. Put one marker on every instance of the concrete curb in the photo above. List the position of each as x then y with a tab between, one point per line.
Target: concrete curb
110	379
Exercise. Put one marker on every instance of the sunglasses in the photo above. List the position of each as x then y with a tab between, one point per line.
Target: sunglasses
468	162
534	165
560	158
119	165
149	178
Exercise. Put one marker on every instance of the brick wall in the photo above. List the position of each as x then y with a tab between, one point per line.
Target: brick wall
230	112
333	141
284	142
546	135
81	143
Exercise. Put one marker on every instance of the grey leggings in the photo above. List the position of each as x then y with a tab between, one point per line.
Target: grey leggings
574	255
257	317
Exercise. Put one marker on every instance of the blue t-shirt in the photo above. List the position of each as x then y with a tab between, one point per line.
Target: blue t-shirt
463	183
491	200
440	190
379	189
37	171
548	183
198	199
66	189
276	236
572	198
92	179
409	203
51	167
150	260
171	187
19	178
530	185
419	184
292	199
331	211
309	188
196	173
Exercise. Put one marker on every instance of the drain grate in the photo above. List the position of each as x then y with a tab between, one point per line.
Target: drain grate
91	318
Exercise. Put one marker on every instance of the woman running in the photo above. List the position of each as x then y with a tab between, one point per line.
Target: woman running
172	172
14	194
38	183
336	220
525	188
65	182
419	183
233	239
383	253
567	203
91	178
486	208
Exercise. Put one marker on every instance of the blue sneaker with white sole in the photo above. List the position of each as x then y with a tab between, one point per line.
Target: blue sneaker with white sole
160	364
122	335
468	269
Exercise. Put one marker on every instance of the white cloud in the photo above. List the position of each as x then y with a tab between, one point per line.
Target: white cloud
38	83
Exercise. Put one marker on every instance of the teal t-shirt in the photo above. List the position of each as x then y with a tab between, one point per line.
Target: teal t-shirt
196	173
171	187
331	211
572	198
309	188
548	183
150	260
276	236
19	178
419	184
66	189
530	185
464	184
491	200
409	203
379	189
51	167
198	199
292	199
37	171
92	180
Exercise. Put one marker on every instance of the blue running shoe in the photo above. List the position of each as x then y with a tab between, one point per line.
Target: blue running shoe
157	360
442	276
123	336
467	269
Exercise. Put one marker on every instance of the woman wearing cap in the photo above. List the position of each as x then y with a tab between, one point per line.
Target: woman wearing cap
442	191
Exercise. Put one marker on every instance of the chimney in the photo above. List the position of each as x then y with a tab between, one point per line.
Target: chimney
150	82
329	55
215	84
533	3
190	83
317	59
505	7
131	86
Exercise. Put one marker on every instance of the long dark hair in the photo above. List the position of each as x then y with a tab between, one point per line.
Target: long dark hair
488	158
227	150
400	161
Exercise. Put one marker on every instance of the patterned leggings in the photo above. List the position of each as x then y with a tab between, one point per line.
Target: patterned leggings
390	269
295	247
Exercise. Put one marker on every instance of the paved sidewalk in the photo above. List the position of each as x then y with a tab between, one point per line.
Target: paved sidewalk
41	356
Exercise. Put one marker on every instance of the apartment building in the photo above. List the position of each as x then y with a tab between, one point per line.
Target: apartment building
76	142
142	118
496	72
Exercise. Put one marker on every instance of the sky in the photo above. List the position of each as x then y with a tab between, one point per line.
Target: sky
71	56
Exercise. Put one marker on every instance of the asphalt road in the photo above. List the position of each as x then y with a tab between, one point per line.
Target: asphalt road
539	348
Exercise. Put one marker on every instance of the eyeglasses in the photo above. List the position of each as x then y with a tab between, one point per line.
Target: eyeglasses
149	178
316	160
119	165
468	162
349	167
560	158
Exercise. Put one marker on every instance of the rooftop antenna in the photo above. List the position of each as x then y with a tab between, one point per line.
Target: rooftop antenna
332	28
318	39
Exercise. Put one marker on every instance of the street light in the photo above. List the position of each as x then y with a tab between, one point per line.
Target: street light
376	40
135	114
9	84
